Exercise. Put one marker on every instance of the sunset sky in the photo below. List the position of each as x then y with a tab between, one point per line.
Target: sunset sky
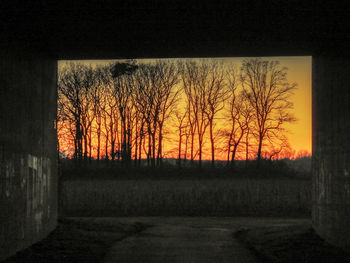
299	71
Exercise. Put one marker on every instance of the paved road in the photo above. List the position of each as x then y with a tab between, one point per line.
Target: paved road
186	240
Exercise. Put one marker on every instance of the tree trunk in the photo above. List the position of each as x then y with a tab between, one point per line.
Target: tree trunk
153	159
136	143
234	155
228	152
106	146
85	146
160	140
124	140
259	153
98	142
192	145
179	151
212	143
90	143
200	151
186	148
246	148
149	150
128	145
140	146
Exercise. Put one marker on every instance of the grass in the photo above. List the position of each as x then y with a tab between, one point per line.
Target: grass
114	170
186	197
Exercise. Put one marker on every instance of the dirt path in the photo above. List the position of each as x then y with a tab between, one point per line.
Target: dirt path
181	243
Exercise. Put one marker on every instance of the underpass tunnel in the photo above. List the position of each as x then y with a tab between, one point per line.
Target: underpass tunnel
28	97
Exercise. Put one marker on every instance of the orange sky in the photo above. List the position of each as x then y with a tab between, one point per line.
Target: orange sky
299	71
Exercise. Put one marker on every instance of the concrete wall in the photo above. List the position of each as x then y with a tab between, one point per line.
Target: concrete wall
28	177
331	144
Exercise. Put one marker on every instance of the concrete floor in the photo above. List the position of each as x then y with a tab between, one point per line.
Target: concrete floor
189	239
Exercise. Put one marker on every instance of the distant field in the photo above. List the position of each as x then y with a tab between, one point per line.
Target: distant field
186	197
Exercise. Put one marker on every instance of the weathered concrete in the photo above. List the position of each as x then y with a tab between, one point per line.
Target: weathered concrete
331	148
28	178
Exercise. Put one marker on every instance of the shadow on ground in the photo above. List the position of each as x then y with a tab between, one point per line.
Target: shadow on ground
77	240
290	244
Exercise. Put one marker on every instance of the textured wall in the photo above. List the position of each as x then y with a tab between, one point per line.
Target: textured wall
331	144
28	176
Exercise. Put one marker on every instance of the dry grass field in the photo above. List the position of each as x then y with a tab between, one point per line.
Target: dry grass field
186	197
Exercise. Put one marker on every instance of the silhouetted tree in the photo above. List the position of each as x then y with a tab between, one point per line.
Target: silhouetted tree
195	79
123	90
146	104
238	115
110	113
99	100
180	118
268	91
213	83
89	84
167	97
238	126
74	83
121	111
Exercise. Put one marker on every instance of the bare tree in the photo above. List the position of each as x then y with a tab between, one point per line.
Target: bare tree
180	118
145	103
195	82
88	85
139	135
238	114
167	97
213	83
74	83
238	126
64	126
248	120
266	87
192	128
155	97
122	82
69	98
122	109
109	111
99	104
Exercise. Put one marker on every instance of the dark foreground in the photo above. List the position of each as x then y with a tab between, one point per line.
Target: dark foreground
182	239
76	240
290	244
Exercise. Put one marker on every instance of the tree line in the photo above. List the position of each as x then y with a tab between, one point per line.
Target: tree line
129	111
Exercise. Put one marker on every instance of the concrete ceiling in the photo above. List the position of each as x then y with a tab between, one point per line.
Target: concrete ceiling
115	29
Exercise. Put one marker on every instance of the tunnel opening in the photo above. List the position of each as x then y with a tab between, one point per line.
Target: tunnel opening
120	144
